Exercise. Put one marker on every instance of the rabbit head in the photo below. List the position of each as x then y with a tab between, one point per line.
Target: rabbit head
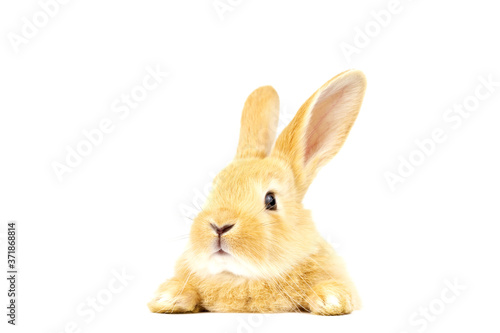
253	223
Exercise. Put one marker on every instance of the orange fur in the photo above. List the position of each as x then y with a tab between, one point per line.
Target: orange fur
275	260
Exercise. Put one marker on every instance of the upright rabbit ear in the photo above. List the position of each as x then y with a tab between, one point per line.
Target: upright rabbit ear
320	127
259	123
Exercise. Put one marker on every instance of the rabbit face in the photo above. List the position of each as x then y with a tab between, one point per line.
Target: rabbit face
251	225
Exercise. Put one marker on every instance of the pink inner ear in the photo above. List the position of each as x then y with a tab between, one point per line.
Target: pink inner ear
325	120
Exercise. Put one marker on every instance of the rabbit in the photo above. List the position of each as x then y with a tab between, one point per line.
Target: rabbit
254	247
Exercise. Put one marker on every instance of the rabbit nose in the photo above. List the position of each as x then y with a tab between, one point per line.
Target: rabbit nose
221	230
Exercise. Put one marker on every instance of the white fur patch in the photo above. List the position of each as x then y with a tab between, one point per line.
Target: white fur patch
226	263
213	264
332	301
164	298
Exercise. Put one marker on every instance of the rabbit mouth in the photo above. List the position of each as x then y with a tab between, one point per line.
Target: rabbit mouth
220	248
221	252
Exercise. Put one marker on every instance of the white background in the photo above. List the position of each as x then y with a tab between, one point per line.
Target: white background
121	207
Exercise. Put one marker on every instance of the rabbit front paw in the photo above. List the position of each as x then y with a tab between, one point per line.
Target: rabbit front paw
171	299
329	299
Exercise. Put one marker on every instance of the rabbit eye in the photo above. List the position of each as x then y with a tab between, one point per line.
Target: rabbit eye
270	201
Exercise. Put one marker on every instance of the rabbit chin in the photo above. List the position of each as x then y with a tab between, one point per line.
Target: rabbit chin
218	264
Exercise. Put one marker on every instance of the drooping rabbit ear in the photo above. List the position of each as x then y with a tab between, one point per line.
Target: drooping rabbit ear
320	127
259	123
